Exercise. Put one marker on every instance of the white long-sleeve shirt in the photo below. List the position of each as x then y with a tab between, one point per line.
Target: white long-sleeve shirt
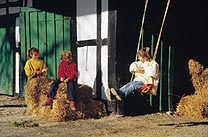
151	72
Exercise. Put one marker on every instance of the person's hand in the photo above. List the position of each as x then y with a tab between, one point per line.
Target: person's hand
44	71
66	80
140	70
62	79
38	73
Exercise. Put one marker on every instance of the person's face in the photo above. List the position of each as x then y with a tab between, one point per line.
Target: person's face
69	59
141	59
35	55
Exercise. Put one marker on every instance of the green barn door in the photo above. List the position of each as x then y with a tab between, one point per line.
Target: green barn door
49	32
6	61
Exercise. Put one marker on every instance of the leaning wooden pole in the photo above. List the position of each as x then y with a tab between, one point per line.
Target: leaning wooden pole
158	40
140	33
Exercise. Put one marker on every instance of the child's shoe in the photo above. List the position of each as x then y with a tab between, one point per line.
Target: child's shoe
108	94
117	93
48	102
72	105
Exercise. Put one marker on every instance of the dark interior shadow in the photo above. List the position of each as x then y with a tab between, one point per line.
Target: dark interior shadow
136	104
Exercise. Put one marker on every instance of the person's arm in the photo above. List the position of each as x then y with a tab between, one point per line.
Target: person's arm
72	73
61	74
29	71
135	67
151	69
44	69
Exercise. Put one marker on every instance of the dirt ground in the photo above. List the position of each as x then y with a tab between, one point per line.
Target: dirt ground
14	123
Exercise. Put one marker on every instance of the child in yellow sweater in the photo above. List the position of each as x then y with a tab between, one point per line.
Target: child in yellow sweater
34	67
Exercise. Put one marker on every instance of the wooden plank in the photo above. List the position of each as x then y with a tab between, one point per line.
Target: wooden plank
51	45
42	35
66	30
23	52
27	32
28	9
59	38
6	62
34	30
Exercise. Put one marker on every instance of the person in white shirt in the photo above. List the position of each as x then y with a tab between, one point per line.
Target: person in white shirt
146	77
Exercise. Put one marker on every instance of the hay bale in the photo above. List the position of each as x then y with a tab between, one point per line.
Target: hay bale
195	70
193	106
36	91
199	75
196	105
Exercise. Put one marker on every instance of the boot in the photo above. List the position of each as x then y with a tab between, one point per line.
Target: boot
48	102
72	105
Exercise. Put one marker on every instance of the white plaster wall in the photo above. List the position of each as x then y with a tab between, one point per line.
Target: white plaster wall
86	19
87	55
104	49
87	64
17	56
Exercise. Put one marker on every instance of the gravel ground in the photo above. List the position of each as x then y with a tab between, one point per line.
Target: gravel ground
14	123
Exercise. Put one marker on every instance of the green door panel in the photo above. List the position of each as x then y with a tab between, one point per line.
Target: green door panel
50	32
6	61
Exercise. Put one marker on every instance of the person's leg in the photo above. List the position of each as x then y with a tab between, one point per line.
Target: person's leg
126	89
71	94
53	89
131	87
52	92
71	90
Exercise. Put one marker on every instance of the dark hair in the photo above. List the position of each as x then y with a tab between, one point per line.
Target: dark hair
144	53
31	51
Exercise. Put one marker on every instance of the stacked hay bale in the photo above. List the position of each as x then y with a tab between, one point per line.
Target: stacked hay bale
196	105
36	94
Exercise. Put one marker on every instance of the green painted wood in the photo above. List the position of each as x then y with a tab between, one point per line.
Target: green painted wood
59	32
161	78
34	30
28	9
51	45
42	35
6	61
142	42
67	35
27	31
47	31
23	51
152	53
170	78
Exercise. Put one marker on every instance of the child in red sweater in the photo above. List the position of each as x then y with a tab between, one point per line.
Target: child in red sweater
67	73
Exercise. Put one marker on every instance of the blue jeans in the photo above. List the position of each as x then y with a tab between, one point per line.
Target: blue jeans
130	87
71	94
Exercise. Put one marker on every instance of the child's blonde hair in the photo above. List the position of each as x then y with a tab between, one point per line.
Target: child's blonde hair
66	54
31	51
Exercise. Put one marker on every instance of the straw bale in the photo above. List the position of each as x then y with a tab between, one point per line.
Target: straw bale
36	94
196	105
195	70
193	106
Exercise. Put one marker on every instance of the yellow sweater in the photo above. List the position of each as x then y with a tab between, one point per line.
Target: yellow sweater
32	66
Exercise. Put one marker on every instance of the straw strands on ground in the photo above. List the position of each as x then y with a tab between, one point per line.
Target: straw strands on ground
36	91
196	105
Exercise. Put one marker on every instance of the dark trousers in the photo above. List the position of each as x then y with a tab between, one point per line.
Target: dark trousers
71	93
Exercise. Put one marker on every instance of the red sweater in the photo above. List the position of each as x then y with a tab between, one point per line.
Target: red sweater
67	70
